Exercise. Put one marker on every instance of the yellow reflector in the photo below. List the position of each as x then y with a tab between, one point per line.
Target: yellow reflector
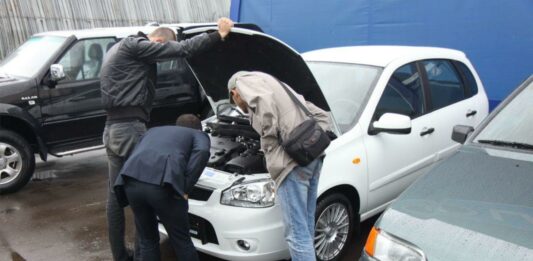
371	241
356	160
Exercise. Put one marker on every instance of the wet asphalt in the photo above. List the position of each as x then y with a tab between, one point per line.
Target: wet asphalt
60	215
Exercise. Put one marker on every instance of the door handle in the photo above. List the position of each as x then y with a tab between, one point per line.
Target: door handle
471	113
426	131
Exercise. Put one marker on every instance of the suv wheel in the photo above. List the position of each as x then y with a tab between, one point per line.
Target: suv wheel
333	226
17	162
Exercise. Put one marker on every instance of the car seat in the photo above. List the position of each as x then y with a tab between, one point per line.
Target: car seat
95	63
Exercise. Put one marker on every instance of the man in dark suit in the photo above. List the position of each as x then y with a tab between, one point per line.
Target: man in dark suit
156	180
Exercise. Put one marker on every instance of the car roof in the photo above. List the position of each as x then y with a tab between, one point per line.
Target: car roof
380	55
118	32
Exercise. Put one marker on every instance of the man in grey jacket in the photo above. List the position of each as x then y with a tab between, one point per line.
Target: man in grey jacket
273	113
128	78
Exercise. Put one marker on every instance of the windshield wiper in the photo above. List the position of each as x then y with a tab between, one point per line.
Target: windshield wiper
517	145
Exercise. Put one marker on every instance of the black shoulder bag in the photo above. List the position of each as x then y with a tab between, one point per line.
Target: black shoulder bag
308	140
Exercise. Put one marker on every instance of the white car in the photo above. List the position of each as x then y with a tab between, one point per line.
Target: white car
393	107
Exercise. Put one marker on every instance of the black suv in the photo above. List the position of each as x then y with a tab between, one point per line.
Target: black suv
50	98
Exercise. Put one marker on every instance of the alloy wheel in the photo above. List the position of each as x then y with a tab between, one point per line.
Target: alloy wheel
331	231
10	163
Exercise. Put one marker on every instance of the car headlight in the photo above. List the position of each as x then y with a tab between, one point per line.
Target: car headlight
254	194
384	246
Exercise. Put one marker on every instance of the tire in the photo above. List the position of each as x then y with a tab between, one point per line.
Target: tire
17	162
333	235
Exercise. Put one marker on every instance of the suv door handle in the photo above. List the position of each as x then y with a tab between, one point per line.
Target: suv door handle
470	113
426	131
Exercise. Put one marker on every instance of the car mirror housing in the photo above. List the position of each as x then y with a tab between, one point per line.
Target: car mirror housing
56	72
460	133
391	123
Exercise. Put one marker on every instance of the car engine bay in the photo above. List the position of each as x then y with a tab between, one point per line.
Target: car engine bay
235	145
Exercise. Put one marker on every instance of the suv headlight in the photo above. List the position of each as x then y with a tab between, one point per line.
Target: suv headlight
383	246
254	194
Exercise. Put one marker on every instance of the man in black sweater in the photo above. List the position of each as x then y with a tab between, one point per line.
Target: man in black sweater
128	78
156	180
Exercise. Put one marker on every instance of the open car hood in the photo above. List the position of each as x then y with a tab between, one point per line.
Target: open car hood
250	50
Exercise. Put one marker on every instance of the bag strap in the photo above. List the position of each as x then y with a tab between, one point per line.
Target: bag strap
295	100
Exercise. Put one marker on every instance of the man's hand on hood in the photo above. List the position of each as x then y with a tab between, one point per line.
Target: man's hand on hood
224	26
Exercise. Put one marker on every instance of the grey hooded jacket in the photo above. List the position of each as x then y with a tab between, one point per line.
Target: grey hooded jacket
128	72
271	112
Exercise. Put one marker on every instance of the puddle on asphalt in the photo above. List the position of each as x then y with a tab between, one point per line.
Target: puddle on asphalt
8	210
16	257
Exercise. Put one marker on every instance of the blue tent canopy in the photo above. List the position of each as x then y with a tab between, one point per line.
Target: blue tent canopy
497	36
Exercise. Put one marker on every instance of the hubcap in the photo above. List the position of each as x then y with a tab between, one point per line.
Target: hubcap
10	163
331	231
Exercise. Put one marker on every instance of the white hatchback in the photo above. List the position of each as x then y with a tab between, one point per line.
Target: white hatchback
394	108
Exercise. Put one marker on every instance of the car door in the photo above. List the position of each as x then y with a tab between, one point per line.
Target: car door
395	160
454	100
72	109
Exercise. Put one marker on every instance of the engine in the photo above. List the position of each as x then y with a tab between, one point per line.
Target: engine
235	146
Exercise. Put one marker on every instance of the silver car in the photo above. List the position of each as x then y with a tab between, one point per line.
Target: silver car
477	204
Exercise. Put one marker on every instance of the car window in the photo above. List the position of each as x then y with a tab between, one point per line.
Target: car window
167	67
513	123
445	84
175	82
469	80
345	87
83	60
403	94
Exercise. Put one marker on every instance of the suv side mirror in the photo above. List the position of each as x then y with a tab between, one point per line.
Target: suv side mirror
56	72
391	123
461	132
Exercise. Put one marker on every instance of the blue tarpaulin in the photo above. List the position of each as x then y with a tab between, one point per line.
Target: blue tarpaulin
497	36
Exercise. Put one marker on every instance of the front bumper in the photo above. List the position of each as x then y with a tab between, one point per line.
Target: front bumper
261	229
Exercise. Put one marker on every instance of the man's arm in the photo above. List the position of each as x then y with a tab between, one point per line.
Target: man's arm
153	52
197	161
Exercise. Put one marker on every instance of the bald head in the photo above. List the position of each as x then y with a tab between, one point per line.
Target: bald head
162	35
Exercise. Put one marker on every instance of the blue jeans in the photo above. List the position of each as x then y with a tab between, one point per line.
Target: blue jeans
297	197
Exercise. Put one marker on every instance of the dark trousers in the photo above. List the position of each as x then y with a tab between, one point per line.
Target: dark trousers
148	201
119	140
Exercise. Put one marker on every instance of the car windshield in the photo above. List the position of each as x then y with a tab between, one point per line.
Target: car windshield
31	56
512	127
346	88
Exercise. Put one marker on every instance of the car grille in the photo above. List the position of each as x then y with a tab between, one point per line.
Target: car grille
201	229
200	193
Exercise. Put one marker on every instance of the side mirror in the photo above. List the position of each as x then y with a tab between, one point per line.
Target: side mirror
391	123
461	132
56	72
